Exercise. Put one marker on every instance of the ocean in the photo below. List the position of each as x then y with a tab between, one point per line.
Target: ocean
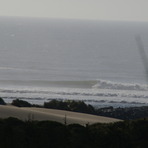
94	61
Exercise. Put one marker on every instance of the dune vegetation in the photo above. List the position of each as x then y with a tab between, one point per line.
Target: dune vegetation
33	133
36	134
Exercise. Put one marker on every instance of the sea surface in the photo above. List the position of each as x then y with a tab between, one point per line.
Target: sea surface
94	61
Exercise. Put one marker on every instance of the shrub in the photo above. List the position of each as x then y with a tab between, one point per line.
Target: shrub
55	104
2	102
75	106
21	103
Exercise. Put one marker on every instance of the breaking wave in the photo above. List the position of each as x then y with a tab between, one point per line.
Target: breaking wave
103	93
104	84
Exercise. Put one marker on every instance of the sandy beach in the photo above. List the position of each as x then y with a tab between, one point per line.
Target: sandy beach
32	113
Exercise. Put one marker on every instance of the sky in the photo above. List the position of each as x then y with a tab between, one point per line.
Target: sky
123	10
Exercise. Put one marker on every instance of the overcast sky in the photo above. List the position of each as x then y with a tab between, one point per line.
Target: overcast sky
133	10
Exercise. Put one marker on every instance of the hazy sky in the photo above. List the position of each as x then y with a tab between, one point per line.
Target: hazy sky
134	10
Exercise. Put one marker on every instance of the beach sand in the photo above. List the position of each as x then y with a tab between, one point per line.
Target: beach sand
66	117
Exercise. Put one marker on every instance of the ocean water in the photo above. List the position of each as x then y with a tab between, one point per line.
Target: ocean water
94	61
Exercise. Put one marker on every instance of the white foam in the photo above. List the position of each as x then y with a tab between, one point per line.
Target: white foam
104	93
104	84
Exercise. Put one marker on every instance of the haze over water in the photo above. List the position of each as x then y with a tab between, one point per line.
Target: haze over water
72	59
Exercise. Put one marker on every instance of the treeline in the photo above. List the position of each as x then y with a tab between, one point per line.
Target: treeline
15	133
75	106
128	113
119	113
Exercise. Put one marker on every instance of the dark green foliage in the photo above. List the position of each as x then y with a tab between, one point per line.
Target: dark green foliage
20	103
124	113
2	102
12	133
54	104
76	106
15	133
80	106
78	136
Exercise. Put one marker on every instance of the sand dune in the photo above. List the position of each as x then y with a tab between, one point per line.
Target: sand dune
31	113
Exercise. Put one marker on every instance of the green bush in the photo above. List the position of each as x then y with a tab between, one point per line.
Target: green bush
76	106
54	104
20	103
2	102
